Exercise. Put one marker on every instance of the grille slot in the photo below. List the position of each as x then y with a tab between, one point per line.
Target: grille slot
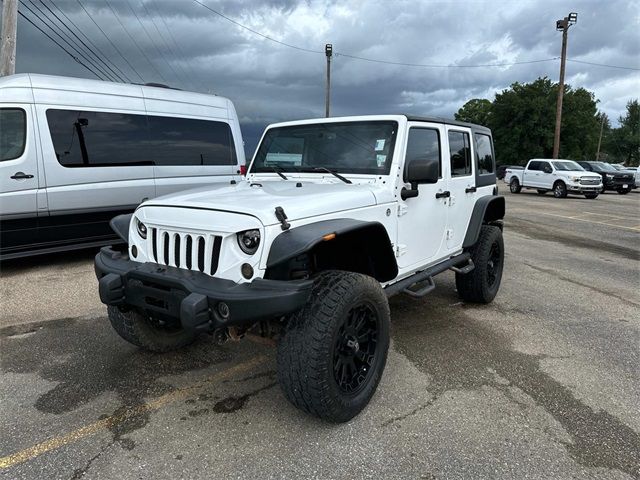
199	252
589	181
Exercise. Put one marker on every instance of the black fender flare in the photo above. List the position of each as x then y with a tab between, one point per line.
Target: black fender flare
120	225
299	240
488	209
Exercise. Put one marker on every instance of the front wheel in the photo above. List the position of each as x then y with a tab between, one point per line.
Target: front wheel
624	191
334	350
147	332
560	190
591	196
482	283
514	186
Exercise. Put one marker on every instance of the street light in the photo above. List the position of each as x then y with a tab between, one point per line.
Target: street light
562	25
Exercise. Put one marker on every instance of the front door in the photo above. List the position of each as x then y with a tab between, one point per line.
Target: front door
18	177
422	220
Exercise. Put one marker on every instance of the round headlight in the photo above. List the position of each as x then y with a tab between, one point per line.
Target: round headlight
142	229
249	240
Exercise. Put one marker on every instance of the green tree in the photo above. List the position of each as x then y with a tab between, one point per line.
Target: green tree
629	134
477	110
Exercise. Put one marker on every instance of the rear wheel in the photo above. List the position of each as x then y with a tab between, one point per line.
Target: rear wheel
559	190
541	192
482	283
333	352
514	186
147	332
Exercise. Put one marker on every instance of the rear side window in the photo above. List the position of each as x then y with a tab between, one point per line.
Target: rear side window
534	166
13	133
424	143
108	139
460	154
185	141
99	139
484	154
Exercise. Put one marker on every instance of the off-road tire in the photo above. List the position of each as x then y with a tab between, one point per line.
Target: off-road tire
541	192
307	350
591	196
559	189
476	286
514	186
624	191
137	328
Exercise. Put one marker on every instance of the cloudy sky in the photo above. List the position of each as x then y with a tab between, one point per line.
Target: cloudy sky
183	44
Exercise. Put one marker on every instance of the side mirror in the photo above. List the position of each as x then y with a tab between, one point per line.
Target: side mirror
420	170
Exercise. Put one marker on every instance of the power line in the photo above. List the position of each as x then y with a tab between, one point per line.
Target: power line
134	41
109	63
112	44
51	25
56	42
601	64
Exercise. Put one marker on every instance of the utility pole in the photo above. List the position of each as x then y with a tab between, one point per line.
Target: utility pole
328	50
563	25
602	115
8	37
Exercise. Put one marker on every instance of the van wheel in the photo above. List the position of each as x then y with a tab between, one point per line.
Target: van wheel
482	283
514	186
559	190
334	350
591	196
541	192
149	333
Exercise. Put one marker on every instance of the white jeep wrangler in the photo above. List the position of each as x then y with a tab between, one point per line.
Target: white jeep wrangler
335	215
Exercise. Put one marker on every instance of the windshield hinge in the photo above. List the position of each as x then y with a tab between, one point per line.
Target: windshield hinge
282	218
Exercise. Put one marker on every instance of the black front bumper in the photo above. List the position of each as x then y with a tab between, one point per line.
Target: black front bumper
200	302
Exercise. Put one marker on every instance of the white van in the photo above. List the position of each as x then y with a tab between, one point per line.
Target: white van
74	153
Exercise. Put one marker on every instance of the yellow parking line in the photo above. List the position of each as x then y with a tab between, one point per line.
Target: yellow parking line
75	435
634	229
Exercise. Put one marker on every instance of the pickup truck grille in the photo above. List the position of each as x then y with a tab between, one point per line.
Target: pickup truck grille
589	181
199	252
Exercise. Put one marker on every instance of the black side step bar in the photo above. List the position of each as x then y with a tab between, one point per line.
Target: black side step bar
403	286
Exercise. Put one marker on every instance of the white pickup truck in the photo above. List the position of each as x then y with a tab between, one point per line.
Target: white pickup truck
558	176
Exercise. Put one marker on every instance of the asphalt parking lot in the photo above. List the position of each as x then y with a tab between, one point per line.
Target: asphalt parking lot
543	383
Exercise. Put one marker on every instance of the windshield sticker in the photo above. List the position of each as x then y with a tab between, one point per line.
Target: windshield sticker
380	144
381	159
283	159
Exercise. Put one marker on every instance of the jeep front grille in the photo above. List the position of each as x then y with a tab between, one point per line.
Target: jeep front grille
200	252
589	181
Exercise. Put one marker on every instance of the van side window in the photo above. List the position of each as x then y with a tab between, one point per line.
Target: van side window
13	133
108	139
423	143
98	139
484	154
185	141
460	154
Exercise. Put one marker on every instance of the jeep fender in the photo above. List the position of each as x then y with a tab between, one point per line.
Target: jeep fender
487	210
120	225
344	244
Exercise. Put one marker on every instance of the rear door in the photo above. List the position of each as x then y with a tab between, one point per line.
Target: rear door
96	167
190	152
462	184
18	176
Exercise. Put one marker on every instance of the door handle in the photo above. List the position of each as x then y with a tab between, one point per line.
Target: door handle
21	176
470	190
445	194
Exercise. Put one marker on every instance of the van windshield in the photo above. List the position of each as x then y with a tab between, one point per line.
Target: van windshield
348	147
568	166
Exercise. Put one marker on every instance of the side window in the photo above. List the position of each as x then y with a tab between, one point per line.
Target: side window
186	141
545	166
98	139
534	166
460	154
13	133
423	143
484	154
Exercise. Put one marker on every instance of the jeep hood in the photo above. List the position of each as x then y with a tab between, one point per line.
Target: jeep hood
260	199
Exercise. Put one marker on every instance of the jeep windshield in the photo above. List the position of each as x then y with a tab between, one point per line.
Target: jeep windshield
568	166
344	147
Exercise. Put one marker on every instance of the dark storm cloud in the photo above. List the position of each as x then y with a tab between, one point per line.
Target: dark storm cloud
270	82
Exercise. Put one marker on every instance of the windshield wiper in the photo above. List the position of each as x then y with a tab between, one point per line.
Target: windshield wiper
324	169
278	170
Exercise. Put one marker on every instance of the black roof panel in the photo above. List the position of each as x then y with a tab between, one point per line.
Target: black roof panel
446	121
